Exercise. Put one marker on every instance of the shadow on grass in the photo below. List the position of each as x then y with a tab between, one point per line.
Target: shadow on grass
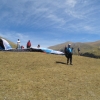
59	62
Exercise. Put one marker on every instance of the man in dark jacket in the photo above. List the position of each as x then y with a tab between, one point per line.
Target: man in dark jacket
68	54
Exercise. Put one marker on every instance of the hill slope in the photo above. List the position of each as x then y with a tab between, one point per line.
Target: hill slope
39	76
84	47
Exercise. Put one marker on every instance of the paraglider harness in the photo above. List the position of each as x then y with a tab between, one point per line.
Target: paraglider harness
68	51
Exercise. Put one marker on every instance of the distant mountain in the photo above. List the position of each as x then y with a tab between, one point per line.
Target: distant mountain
95	44
13	45
84	47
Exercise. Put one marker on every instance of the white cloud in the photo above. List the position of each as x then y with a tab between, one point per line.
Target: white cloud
88	28
63	16
56	20
13	36
71	3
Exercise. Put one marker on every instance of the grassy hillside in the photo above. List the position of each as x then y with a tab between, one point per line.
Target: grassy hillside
95	44
89	47
40	76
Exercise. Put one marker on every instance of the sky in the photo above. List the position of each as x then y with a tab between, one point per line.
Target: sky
50	22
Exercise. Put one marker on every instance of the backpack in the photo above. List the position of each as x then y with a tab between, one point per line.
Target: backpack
68	51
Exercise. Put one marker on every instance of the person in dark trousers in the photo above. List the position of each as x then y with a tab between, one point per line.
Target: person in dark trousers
68	54
28	44
78	51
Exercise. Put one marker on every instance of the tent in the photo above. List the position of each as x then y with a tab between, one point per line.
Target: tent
4	45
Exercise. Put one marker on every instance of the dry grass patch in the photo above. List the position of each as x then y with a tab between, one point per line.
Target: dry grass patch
39	76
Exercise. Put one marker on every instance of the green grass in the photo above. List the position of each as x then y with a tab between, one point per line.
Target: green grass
40	76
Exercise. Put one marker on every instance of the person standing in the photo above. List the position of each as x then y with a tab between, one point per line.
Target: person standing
28	44
68	54
78	51
18	44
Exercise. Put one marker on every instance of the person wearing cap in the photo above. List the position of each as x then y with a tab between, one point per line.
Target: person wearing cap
68	54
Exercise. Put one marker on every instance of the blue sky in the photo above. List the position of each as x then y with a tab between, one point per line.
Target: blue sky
50	22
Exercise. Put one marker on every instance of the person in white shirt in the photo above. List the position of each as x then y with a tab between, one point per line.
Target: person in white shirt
18	44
